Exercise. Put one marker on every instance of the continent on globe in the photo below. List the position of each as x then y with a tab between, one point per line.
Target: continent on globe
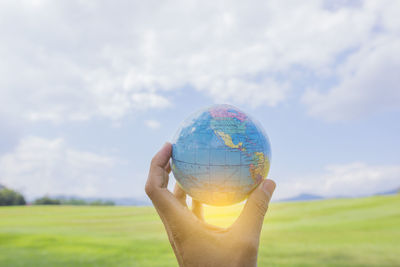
219	155
228	140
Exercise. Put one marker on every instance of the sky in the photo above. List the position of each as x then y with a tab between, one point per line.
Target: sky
90	90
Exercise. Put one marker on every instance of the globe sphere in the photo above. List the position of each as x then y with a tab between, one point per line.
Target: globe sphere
219	155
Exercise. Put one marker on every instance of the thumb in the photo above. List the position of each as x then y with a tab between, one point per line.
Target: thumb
252	216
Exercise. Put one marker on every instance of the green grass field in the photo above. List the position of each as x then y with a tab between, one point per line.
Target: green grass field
343	232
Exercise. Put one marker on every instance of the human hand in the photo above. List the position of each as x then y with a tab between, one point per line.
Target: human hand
195	242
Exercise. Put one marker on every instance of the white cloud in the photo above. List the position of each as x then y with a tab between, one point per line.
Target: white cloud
368	80
351	180
146	100
74	60
369	84
153	124
41	166
267	92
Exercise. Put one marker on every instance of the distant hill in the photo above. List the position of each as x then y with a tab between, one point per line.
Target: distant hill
2	186
302	197
310	197
390	192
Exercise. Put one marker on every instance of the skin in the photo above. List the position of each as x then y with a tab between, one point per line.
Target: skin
195	242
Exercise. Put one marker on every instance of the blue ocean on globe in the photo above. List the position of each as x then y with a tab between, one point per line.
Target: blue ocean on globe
219	155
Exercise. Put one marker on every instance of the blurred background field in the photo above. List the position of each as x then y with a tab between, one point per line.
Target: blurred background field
338	232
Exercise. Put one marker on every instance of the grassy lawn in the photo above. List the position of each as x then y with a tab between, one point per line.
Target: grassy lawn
356	232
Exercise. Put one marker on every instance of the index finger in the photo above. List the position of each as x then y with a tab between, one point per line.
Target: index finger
166	204
158	174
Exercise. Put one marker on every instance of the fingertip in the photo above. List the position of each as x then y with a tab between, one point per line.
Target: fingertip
163	155
167	144
271	181
167	147
269	186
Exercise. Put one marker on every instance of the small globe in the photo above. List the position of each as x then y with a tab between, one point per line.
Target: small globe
219	155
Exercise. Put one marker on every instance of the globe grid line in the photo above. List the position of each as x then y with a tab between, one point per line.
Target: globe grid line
216	165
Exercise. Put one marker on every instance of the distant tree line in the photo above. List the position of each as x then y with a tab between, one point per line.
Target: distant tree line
72	201
10	197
